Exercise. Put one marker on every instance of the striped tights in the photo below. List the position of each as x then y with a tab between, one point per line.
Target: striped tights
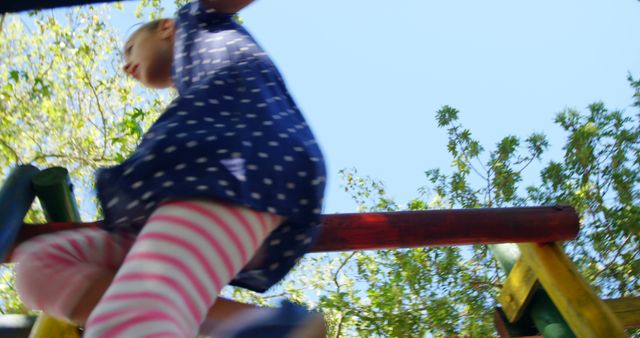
167	277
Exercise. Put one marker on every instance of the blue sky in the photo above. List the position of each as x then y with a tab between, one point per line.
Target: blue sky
370	75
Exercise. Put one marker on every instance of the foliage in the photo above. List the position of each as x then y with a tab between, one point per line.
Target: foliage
64	99
64	102
599	176
446	291
11	304
153	9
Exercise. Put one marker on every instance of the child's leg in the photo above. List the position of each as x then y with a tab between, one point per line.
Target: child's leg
53	272
185	254
66	273
221	311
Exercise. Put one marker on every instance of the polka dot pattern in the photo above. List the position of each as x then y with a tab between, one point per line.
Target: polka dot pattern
235	134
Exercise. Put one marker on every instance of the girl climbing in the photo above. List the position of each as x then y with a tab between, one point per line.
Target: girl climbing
226	187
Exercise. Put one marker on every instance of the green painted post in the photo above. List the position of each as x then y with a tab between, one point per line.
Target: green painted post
541	309
54	191
55	194
16	197
506	255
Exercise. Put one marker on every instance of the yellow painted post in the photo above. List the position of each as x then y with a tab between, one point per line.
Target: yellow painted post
586	314
626	309
48	327
517	291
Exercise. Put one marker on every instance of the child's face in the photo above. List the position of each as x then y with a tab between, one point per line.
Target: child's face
148	55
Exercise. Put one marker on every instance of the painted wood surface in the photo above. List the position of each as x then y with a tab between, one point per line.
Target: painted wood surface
54	191
523	329
626	309
517	291
16	197
586	314
406	229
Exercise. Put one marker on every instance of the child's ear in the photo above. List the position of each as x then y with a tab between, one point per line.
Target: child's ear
167	28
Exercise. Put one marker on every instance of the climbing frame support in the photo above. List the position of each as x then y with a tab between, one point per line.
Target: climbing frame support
587	315
626	309
517	291
16	197
520	287
53	189
409	229
522	329
543	294
541	311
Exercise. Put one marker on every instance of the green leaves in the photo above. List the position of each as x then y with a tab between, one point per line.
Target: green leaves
447	291
599	175
15	75
64	102
446	115
365	191
41	89
636	85
61	79
537	144
11	304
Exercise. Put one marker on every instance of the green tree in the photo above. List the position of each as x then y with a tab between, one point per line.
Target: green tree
448	291
64	99
64	102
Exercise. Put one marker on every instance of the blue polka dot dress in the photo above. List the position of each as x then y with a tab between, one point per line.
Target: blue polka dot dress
234	134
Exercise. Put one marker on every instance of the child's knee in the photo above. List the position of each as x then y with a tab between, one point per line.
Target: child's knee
31	281
48	280
44	269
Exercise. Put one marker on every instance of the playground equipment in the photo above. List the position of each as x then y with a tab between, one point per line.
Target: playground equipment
542	295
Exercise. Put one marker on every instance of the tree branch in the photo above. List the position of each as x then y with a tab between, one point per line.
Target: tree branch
533	157
464	153
335	275
335	281
102	114
281	294
13	152
339	329
2	21
75	158
613	260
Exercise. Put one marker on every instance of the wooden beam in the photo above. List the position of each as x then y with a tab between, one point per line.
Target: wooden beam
517	291
47	327
406	229
522	282
585	313
53	188
523	329
16	197
541	311
627	310
372	231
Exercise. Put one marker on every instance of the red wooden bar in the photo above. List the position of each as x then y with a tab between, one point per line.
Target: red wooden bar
406	229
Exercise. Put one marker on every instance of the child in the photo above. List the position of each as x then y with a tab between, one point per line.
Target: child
225	187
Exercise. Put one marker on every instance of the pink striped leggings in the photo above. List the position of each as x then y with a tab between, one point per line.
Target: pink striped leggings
167	277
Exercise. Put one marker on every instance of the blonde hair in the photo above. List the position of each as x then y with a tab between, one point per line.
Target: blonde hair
148	26
151	25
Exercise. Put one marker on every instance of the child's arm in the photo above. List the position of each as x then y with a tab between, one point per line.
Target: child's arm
226	6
